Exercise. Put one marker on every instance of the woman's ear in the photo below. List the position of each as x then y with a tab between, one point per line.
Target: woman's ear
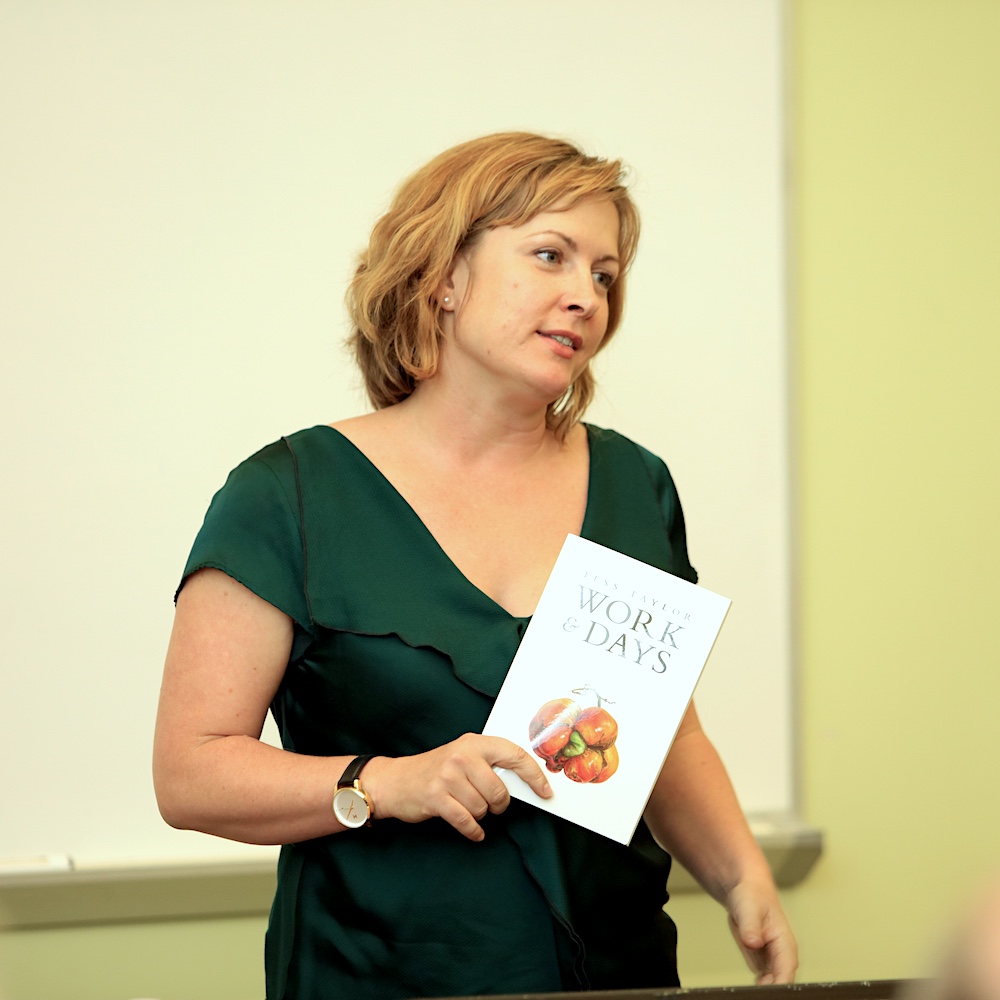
452	288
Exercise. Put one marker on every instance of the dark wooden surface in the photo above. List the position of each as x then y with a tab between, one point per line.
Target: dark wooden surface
883	989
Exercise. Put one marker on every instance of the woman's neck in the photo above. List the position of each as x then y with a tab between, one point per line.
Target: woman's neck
476	427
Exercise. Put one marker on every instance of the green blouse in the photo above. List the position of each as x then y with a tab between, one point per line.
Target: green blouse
396	652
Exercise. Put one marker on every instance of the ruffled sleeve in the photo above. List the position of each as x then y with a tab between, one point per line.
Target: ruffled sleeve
252	532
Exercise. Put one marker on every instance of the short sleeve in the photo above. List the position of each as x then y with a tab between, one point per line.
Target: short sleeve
670	510
633	505
252	532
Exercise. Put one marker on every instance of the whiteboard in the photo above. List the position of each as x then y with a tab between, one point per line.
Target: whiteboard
183	189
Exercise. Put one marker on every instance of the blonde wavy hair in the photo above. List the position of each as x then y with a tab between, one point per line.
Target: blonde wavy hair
497	180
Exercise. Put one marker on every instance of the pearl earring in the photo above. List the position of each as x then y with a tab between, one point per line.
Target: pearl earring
447	299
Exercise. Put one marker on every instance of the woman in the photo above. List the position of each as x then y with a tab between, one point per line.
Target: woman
370	581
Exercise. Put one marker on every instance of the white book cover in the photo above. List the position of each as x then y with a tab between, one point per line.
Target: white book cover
601	681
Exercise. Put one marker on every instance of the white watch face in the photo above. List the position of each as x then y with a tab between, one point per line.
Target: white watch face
350	807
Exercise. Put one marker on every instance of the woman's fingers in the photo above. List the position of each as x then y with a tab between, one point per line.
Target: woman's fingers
513	758
762	933
455	782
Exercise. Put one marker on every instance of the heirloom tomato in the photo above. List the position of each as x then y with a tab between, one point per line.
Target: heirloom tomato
610	764
580	742
585	767
552	726
597	727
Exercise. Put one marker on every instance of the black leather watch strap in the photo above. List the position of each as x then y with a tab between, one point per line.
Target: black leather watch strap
353	769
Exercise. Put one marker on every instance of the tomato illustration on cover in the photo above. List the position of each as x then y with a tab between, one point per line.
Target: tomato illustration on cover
577	740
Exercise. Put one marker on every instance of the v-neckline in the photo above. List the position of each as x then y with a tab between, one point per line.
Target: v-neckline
430	536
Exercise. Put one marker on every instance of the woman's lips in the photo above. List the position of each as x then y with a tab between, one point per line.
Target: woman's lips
564	337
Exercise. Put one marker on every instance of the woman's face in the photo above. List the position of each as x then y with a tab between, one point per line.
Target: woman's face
529	304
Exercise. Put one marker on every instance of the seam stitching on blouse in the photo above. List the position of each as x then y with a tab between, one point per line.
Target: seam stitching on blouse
302	530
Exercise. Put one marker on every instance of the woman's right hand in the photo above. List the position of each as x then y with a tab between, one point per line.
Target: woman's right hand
455	781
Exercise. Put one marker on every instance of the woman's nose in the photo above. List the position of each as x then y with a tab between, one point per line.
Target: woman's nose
580	295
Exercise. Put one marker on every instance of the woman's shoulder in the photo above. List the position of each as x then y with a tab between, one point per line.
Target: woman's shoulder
376	435
280	454
618	457
633	489
276	467
613	444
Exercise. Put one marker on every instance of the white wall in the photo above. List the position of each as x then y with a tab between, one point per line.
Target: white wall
183	187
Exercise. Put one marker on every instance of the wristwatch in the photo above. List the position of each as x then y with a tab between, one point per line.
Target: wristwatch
351	804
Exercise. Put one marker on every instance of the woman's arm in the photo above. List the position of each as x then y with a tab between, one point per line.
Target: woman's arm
227	655
694	814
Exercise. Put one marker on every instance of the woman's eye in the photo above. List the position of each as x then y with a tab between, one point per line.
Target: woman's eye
604	279
549	256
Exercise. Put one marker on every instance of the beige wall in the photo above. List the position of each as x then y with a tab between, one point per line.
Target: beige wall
895	108
896	159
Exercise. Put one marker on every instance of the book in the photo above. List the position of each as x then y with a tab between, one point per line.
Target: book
601	680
